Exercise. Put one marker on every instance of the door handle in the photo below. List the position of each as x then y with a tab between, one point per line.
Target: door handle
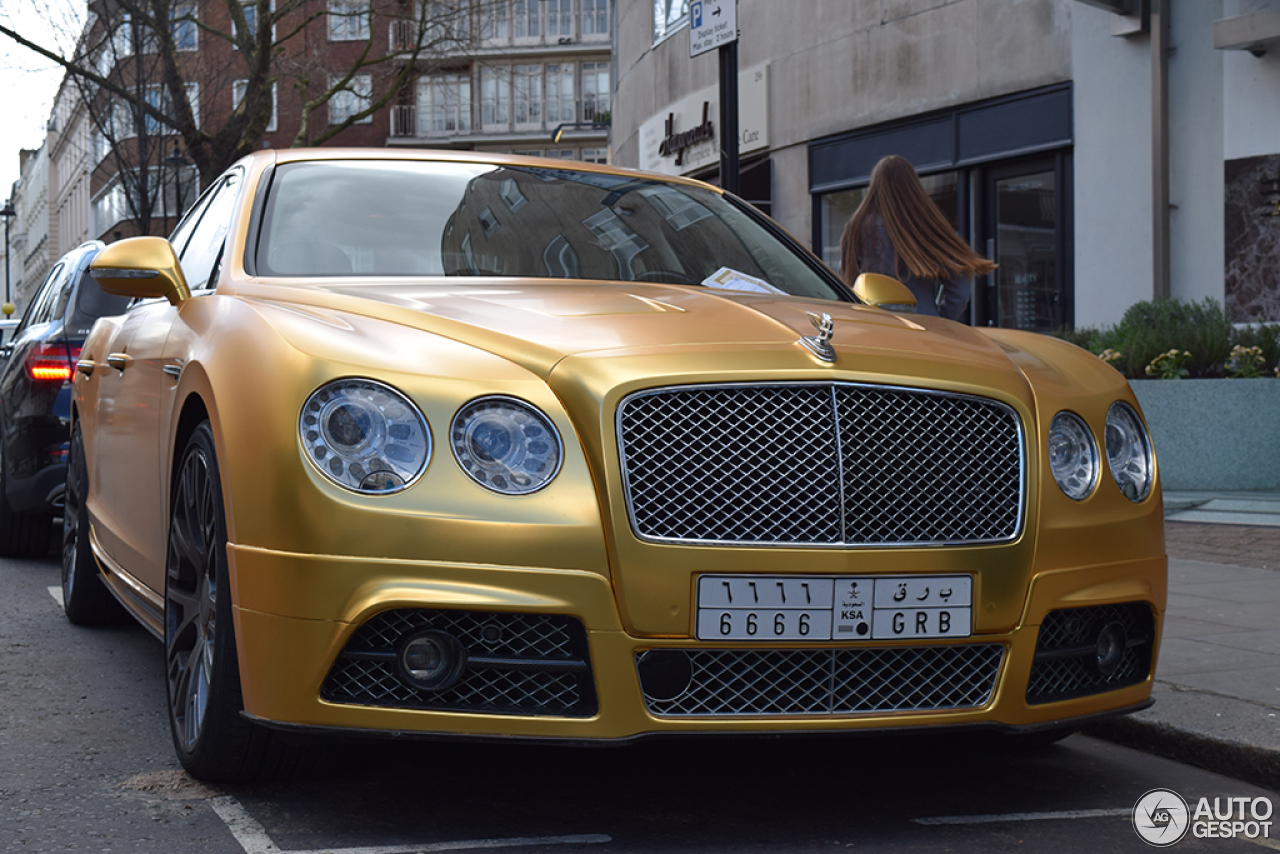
86	366
119	361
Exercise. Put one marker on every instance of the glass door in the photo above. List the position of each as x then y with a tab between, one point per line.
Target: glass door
1025	233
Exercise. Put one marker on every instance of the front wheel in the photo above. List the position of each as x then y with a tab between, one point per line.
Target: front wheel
213	741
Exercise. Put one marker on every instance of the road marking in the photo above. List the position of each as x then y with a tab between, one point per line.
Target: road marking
253	837
1022	816
56	593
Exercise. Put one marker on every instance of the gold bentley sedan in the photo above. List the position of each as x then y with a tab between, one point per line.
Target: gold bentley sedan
416	443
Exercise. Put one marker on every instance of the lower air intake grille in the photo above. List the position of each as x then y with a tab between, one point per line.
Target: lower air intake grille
1069	658
518	664
832	681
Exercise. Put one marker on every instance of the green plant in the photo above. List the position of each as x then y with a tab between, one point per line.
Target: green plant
1245	362
1169	365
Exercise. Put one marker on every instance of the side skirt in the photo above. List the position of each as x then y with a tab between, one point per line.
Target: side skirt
146	606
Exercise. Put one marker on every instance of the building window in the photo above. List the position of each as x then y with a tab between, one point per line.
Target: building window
595	90
509	192
595	18
495	98
348	20
595	155
559	18
237	95
447	21
493	22
186	33
668	16
351	101
444	104
250	9
525	13
158	96
488	221
560	104
527	83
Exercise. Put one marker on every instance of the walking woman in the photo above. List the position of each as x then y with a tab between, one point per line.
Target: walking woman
898	231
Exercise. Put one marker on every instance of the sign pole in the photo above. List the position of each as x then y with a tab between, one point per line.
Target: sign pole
729	117
714	24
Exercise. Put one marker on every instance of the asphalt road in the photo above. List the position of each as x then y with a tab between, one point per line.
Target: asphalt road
86	764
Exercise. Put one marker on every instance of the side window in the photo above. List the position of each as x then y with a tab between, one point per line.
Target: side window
201	254
39	311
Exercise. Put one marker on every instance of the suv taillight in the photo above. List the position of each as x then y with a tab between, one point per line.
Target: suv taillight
52	363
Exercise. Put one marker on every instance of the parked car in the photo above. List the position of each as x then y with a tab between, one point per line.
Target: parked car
415	443
36	364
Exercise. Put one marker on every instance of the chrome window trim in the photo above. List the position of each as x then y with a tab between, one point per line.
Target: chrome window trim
1019	524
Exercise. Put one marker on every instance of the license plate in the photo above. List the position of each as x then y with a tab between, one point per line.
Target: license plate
823	608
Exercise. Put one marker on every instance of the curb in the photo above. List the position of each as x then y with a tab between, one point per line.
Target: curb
1250	763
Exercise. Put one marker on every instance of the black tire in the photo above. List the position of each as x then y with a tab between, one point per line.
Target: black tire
22	534
85	599
213	740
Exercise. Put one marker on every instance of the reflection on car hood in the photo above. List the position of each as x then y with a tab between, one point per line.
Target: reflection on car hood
539	324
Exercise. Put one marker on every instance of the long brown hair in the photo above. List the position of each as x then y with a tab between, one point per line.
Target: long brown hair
922	237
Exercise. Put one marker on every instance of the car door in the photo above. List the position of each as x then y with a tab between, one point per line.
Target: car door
136	397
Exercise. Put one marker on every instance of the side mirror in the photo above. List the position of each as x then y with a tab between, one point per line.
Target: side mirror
884	292
142	268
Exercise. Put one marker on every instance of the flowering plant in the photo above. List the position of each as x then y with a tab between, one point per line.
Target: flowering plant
1111	356
1245	362
1169	366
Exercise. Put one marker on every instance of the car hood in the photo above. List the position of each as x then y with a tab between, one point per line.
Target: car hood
539	325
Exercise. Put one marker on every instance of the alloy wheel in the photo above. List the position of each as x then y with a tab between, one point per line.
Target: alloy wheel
191	597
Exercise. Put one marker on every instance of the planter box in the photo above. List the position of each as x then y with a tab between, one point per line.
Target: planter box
1214	434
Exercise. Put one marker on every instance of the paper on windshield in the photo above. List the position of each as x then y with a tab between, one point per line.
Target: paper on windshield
732	280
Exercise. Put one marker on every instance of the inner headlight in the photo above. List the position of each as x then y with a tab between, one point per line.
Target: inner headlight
506	445
1073	455
365	436
1129	452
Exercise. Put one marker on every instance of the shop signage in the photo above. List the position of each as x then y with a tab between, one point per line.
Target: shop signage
676	143
682	138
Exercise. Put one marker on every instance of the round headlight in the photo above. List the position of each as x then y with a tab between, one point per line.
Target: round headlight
506	445
365	436
1073	456
1129	452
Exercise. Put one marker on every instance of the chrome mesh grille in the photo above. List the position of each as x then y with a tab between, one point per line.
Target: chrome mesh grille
835	681
820	464
517	664
1065	664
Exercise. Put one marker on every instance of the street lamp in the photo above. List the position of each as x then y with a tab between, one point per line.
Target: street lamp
563	126
8	213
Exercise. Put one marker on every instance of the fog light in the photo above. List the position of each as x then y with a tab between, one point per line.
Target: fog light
665	674
432	660
1112	643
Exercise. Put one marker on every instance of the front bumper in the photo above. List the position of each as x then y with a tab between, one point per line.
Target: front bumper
296	613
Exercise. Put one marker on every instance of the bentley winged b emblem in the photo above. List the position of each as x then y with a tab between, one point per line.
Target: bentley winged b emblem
820	344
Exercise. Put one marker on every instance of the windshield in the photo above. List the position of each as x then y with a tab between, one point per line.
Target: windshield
407	218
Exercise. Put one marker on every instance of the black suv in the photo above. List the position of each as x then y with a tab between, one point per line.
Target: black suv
36	368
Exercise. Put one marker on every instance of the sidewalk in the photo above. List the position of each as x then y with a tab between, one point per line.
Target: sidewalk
1217	685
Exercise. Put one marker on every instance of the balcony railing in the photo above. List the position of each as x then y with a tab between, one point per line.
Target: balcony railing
578	28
